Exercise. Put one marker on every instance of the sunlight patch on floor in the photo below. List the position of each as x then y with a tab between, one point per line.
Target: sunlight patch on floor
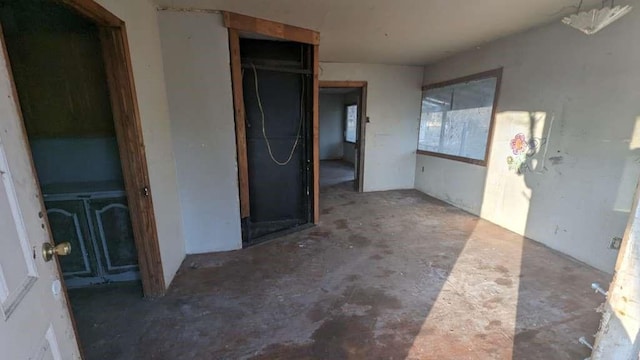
474	315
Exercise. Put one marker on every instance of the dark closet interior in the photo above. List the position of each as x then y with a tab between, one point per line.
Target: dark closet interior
57	65
277	83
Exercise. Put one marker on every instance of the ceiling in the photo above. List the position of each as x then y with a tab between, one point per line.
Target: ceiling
410	32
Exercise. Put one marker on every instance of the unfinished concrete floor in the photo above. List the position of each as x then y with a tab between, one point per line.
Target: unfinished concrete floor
334	172
387	275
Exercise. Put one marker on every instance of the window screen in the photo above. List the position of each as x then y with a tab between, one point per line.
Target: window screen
456	118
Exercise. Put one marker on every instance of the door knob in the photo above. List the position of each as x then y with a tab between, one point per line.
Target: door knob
49	250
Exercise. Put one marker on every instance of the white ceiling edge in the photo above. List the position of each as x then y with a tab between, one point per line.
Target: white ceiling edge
400	32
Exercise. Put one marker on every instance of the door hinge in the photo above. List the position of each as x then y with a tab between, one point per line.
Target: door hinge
145	191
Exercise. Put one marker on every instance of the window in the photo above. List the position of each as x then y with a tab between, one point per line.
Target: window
457	117
351	123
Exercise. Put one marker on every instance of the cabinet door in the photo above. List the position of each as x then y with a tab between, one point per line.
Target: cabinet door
68	222
114	234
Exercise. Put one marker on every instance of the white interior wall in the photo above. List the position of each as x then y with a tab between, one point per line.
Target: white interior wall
582	92
146	58
393	107
196	56
331	118
196	63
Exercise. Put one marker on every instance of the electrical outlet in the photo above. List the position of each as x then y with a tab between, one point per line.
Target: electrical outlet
423	169
615	243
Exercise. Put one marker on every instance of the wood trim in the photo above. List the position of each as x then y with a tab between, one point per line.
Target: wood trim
342	84
481	75
132	155
94	12
453	157
241	136
316	135
270	28
362	135
494	111
497	73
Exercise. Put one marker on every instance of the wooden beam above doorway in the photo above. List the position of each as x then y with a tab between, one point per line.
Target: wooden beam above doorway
238	25
270	28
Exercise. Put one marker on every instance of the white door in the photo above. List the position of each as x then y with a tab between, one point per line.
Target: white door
34	318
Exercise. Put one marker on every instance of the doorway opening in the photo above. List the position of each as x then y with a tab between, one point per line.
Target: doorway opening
274	72
60	79
277	87
71	72
342	109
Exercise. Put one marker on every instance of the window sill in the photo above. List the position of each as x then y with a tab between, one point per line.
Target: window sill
453	157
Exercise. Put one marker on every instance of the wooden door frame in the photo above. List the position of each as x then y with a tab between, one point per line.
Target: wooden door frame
126	116
238	24
362	121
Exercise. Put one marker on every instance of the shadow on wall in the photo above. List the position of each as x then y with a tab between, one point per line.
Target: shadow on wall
530	159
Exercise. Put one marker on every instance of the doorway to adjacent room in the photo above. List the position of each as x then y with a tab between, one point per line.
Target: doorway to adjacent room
342	110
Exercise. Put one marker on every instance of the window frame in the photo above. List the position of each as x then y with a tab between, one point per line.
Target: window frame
495	73
346	119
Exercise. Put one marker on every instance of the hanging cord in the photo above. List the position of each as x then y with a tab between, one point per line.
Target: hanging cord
264	131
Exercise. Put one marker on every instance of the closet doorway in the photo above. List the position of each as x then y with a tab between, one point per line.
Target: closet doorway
274	71
72	77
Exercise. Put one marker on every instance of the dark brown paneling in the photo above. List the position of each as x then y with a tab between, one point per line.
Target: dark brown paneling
75	98
132	154
270	28
241	136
